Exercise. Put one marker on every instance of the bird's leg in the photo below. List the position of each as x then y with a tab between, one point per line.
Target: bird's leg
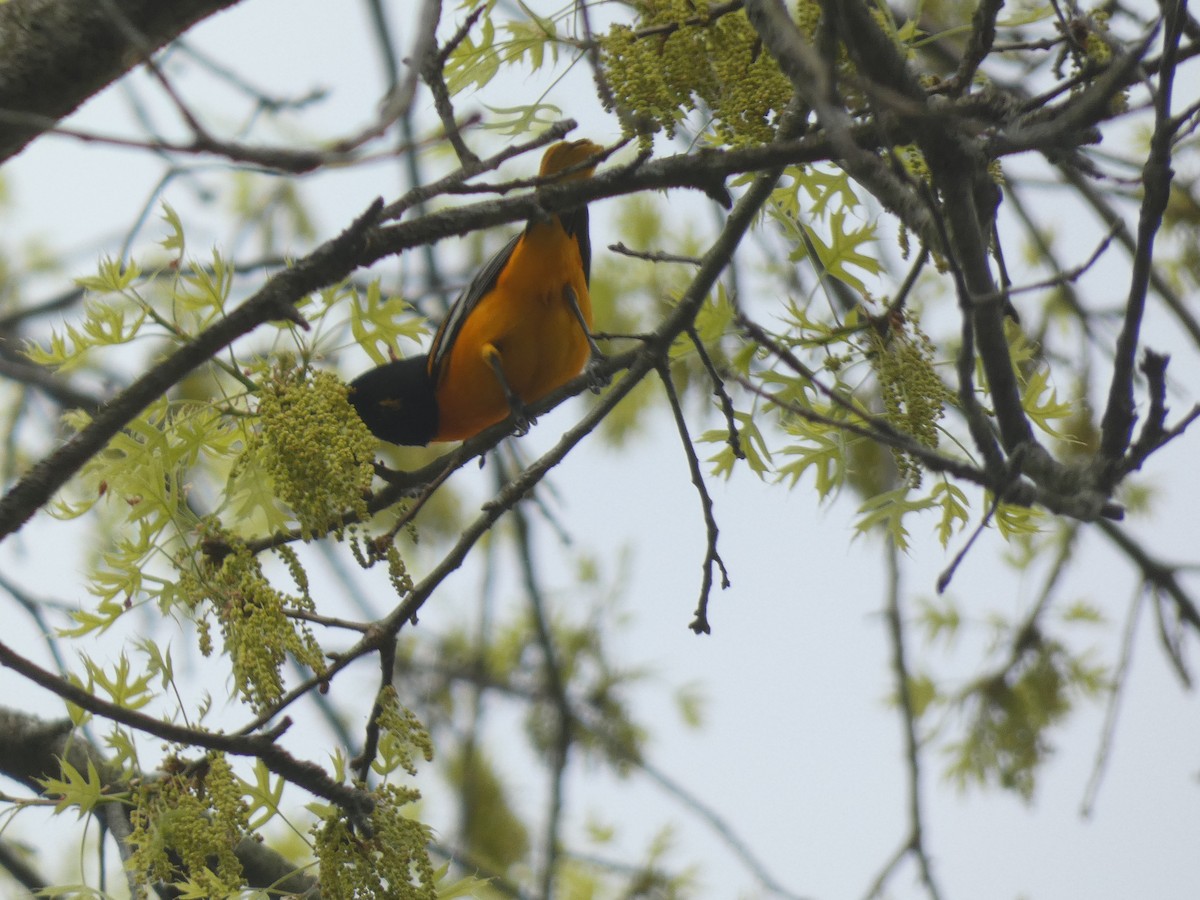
595	378
522	420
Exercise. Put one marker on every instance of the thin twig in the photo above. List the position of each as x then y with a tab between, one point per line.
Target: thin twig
700	624
718	383
1108	730
1116	426
944	579
387	674
430	65
897	304
1162	575
653	256
912	744
563	716
328	621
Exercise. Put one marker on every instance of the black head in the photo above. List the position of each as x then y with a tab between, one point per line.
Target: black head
396	402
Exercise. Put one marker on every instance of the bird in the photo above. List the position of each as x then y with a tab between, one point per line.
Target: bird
520	329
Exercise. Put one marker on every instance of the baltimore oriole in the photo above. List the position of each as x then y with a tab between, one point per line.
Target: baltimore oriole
520	329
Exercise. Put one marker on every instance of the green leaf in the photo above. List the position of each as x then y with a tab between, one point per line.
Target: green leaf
263	795
690	700
467	886
843	251
377	322
887	511
938	621
123	687
76	789
205	290
174	240
113	276
822	448
758	455
1043	412
473	61
250	498
1015	521
106	614
516	120
953	501
158	663
1082	611
922	694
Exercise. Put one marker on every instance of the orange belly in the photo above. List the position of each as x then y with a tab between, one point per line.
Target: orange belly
529	323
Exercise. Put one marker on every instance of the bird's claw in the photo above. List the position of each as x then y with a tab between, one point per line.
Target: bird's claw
597	378
522	420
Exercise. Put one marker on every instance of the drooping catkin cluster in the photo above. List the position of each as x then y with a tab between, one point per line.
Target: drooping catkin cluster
316	449
914	397
676	59
392	860
228	584
187	826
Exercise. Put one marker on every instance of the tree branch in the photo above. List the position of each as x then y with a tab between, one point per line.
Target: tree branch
32	749
712	558
58	53
1117	425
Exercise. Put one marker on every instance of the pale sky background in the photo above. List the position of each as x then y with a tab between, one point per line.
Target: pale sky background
799	752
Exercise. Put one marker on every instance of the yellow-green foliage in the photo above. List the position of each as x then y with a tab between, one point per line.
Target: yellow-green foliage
674	59
478	59
316	450
401	736
389	857
221	578
186	826
494	832
914	397
1007	738
391	861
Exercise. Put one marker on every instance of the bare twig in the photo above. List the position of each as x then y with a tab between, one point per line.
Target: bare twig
721	828
979	45
735	442
653	256
896	306
1154	571
1117	424
430	62
387	674
912	744
1109	729
556	688
700	624
944	579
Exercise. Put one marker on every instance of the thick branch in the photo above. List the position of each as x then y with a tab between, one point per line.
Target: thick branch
264	746
33	749
58	53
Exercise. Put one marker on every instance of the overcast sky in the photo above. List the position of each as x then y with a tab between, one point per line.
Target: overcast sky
800	753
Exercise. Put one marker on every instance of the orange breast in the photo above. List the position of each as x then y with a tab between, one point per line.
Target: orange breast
529	323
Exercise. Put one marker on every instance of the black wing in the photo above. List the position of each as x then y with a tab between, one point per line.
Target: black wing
484	280
575	223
